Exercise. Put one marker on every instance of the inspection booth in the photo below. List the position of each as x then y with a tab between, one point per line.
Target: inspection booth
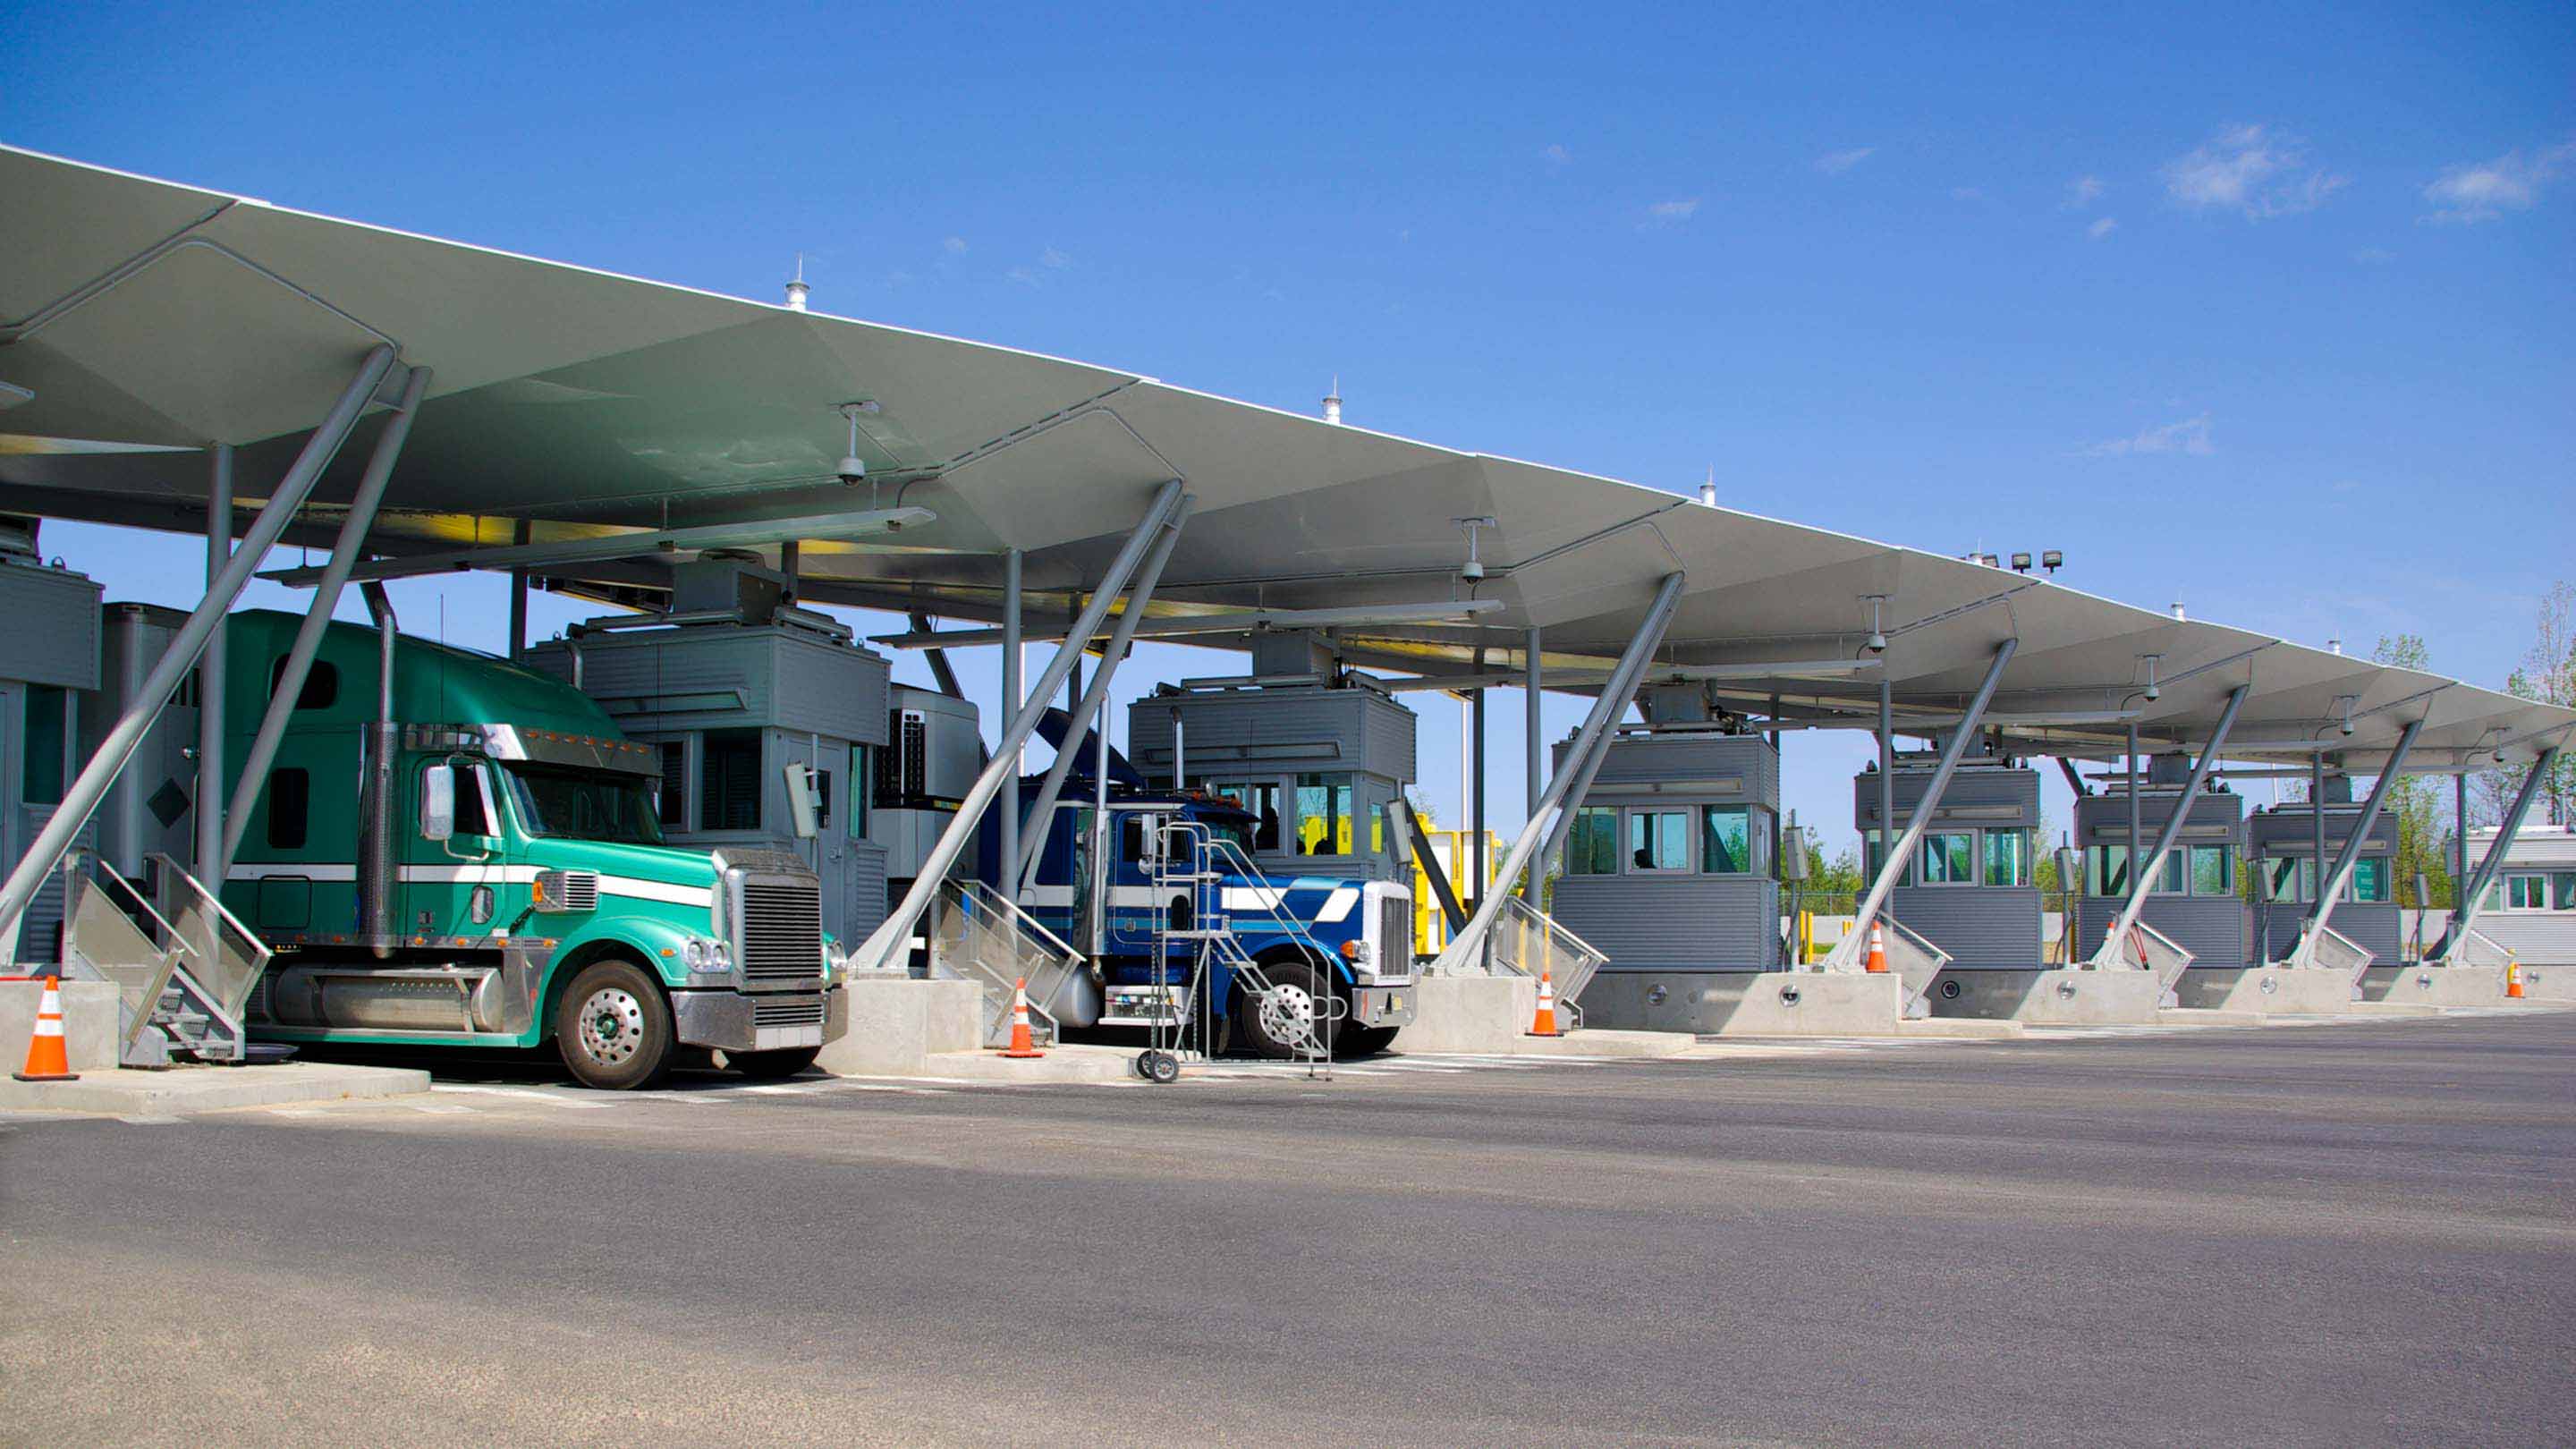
1668	866
49	657
2194	901
2281	849
1314	752
2531	909
1969	889
744	698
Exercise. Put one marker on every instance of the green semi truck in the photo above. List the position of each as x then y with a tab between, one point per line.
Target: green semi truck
452	850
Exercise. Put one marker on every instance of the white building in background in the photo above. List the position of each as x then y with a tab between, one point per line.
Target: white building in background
2531	909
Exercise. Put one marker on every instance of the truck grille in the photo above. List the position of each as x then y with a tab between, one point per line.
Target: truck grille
778	930
1395	936
788	1011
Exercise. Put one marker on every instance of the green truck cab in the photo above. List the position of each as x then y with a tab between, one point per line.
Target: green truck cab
483	866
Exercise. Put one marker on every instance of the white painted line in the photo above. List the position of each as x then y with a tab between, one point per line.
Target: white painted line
885	1087
780	1091
442	1108
152	1119
527	1093
298	1112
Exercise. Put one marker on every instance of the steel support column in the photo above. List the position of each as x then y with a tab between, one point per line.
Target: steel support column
81	799
884	949
1476	851
1886	771
2165	838
1078	721
1901	851
1533	762
2469	896
210	675
289	686
1071	649
2134	832
2330	884
1553	808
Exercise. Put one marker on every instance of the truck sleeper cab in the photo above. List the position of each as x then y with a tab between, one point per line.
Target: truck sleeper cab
521	882
1349	939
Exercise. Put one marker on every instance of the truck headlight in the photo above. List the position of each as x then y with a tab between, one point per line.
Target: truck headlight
700	955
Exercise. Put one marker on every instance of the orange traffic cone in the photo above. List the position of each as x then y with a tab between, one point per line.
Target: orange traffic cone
46	1059
1544	1024
2512	983
1877	949
1021	1046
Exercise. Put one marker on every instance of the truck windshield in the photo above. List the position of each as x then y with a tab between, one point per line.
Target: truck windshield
582	805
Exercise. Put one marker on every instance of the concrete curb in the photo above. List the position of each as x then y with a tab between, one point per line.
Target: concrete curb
210	1089
1063	1063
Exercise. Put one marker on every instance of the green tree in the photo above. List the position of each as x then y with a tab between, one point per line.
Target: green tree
2416	802
2547	674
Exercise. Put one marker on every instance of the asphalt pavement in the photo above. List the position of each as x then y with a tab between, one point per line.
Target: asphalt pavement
2349	1234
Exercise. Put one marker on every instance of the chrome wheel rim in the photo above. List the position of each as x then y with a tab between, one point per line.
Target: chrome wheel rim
612	1026
1287	1014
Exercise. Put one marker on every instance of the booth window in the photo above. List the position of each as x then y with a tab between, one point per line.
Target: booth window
2370	878
2562	891
2213	870
2170	876
1659	840
1260	800
1726	839
1324	814
2524	893
48	723
729	780
1592	845
860	777
290	807
321	684
2007	857
1950	857
2290	879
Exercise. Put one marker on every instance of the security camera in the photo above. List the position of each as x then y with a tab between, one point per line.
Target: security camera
853	470
2155	691
1877	642
2346	727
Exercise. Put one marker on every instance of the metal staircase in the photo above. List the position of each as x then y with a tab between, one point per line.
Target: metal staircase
184	968
978	935
1526	941
1187	861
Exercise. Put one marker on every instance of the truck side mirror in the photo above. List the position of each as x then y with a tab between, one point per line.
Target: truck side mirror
802	807
1149	837
437	803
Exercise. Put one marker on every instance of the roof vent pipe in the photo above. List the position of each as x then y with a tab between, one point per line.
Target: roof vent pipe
1333	402
2334	646
2177	611
1708	490
796	288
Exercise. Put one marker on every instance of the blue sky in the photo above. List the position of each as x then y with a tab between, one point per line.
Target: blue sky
2265	310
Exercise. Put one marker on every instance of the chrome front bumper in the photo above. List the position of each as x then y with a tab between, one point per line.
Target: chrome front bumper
1382	1005
732	1021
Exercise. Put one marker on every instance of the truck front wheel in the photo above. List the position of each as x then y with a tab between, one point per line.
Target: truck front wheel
613	1027
1279	1023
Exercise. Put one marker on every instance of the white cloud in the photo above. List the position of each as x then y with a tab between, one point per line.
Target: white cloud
1835	163
1555	154
1025	276
2252	170
955	246
2102	228
2485	190
1671	213
1967	193
2083	191
1054	260
2191	436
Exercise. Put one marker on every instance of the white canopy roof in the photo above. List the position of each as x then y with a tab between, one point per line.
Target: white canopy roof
147	317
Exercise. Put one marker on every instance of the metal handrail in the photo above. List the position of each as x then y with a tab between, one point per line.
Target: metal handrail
1572	961
973	900
232	996
2145	948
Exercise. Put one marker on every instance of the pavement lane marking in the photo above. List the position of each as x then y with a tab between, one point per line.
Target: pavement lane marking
439	1108
152	1119
528	1093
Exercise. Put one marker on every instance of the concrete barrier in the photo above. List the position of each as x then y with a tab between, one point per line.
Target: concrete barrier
1747	1003
185	1089
2054	997
1491	1015
2271	990
898	1023
2548	983
2435	985
89	1023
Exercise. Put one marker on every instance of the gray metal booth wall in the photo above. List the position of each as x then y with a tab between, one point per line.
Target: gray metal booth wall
1274	734
1983	927
1685	920
2288	833
2216	930
48	659
700	692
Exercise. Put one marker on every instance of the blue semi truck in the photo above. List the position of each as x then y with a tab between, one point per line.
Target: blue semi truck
1168	893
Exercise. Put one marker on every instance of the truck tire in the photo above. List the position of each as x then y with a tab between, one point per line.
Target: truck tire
613	1027
1272	1029
773	1066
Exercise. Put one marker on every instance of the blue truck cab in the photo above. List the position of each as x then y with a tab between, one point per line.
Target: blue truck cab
1339	946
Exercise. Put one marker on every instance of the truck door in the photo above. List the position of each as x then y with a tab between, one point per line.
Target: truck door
457	887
